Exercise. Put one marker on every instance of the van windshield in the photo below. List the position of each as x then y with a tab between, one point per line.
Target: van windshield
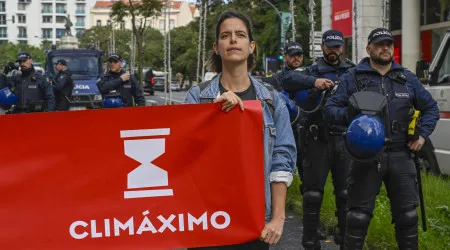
79	65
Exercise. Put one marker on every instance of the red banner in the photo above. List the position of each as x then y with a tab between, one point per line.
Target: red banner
342	16
132	178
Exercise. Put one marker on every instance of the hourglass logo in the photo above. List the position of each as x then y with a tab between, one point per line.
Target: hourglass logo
147	176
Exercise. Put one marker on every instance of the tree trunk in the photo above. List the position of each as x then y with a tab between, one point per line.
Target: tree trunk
139	44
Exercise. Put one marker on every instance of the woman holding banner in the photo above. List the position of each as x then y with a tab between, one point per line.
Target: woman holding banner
233	57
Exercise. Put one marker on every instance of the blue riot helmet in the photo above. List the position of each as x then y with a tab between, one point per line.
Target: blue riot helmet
7	97
112	102
309	100
365	137
293	109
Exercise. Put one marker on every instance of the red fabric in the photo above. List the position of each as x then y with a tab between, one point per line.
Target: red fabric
341	18
63	167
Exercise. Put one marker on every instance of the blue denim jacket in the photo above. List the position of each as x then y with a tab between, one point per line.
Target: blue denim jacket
279	143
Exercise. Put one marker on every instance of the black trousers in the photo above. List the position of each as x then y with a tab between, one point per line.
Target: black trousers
253	245
321	156
397	171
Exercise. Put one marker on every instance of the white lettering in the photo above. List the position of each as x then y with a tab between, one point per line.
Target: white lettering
118	225
80	86
107	228
382	33
216	225
94	233
334	38
166	223
202	219
218	220
181	222
74	234
342	15
146	224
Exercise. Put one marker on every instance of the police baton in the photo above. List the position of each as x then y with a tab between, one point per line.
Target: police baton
419	181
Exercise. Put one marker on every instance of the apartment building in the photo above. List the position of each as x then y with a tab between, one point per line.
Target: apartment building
33	21
178	14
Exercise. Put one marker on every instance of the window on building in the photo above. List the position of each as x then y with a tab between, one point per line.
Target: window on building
22	32
22	18
21	6
61	8
80	8
2	19
79	21
47	33
23	42
3	41
47	19
59	33
47	8
171	24
2	7
79	32
60	19
162	25
3	32
99	22
122	25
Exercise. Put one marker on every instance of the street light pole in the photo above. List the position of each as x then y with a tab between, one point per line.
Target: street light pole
165	56
293	19
168	58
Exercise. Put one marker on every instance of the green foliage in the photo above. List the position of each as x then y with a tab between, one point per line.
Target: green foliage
381	234
9	52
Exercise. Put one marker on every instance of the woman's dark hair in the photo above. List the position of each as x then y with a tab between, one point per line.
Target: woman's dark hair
215	61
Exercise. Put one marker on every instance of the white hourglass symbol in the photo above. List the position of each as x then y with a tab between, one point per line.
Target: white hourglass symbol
147	175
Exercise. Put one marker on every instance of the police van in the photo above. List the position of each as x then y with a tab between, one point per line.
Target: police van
86	67
436	78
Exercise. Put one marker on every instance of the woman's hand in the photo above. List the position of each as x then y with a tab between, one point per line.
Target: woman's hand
272	231
230	99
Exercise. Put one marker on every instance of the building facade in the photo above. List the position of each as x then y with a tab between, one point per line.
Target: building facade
180	13
33	21
418	26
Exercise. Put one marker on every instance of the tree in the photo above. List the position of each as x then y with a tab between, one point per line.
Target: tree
139	11
9	52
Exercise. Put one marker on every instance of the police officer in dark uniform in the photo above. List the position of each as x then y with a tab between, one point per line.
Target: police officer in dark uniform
293	56
117	82
322	143
34	92
378	75
63	86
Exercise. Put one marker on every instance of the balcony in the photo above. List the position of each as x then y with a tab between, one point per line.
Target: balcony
2	9
47	11
47	37
2	22
3	35
59	11
80	12
22	36
80	24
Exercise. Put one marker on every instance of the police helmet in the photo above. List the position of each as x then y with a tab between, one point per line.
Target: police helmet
365	137
112	102
293	109
309	100
7	97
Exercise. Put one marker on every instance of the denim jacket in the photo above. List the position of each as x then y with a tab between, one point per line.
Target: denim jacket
279	144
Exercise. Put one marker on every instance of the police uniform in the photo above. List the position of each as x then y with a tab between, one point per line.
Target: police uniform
34	92
394	166
62	86
276	80
322	145
111	84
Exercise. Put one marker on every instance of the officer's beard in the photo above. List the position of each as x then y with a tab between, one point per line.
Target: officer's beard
331	57
380	60
291	64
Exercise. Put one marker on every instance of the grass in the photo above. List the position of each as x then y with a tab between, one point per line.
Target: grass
381	234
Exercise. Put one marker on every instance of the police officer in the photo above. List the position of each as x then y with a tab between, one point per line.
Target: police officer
63	86
293	57
402	90
118	82
322	142
34	92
